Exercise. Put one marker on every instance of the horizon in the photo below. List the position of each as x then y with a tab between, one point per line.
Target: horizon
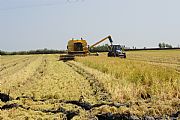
126	48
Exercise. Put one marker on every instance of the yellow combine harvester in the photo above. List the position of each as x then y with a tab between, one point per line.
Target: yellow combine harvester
81	48
77	47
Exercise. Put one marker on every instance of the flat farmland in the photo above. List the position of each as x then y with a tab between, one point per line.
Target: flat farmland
146	85
169	58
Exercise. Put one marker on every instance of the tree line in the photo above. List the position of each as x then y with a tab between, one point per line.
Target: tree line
100	48
105	48
39	51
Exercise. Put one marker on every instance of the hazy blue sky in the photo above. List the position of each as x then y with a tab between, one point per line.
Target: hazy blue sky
36	24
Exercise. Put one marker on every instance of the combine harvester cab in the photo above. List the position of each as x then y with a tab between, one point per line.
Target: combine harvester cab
75	48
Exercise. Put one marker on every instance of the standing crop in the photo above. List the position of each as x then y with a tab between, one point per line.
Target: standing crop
140	80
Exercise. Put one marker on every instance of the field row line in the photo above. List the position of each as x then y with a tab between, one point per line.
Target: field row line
21	73
16	67
165	64
36	75
14	63
99	91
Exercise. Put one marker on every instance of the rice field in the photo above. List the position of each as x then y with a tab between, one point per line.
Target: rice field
145	85
142	77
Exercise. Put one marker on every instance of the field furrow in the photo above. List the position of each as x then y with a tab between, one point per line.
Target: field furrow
15	66
5	64
98	90
12	78
10	59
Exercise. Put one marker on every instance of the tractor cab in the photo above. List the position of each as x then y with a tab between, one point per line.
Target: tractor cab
116	51
117	48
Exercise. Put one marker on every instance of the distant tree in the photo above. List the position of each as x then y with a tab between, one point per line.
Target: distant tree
168	46
2	53
160	45
164	45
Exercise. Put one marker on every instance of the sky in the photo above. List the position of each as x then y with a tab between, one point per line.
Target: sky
38	24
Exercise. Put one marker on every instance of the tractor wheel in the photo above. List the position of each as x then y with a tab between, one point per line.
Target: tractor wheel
110	54
124	55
